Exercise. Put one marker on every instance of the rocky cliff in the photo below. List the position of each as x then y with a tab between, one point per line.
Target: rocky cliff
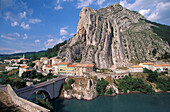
115	36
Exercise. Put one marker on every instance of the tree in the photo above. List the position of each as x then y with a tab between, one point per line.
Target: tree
101	86
71	81
31	64
153	76
109	91
49	76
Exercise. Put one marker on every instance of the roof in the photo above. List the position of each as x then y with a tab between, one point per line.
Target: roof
146	63
63	63
162	65
165	64
84	65
49	66
24	66
55	64
71	65
136	66
157	65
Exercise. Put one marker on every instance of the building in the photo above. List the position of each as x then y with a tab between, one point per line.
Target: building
62	68
7	68
147	65
47	68
162	67
23	69
83	69
38	64
136	68
55	68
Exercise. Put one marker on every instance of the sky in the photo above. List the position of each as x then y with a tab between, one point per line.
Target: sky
35	25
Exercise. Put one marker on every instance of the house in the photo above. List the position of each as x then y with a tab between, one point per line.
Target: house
162	67
47	68
62	68
136	68
54	60
147	65
83	69
55	68
23	69
44	60
38	64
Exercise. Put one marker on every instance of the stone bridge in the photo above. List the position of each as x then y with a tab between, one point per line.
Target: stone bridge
50	88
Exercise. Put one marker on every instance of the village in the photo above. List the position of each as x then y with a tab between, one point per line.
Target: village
56	66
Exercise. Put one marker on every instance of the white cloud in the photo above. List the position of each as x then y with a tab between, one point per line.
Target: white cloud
58	7
84	3
10	36
37	41
138	4
63	31
100	2
5	49
145	12
23	15
25	36
52	42
25	26
15	23
161	13
71	34
33	21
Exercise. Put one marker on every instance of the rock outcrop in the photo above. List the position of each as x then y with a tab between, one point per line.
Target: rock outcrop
114	36
83	88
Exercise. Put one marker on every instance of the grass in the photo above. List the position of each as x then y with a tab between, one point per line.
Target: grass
123	68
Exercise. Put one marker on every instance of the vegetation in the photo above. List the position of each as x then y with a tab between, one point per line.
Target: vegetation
109	91
133	84
71	81
123	68
32	74
162	83
101	86
45	103
66	86
51	52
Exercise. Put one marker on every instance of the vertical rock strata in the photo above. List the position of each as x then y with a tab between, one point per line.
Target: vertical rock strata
112	36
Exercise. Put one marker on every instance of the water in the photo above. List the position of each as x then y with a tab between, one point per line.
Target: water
159	102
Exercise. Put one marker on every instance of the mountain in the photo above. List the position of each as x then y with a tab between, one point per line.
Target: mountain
116	36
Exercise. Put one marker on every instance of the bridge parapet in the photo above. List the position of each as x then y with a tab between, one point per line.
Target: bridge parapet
51	88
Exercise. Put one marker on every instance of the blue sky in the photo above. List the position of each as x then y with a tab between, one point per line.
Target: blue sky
34	25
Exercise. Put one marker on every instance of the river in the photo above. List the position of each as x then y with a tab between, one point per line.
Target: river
157	102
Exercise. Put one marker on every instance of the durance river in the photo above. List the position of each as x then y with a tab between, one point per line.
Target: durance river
157	102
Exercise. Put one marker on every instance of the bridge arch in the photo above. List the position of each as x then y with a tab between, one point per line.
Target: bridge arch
44	92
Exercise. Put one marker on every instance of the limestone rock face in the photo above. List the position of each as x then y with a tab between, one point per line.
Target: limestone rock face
113	36
83	88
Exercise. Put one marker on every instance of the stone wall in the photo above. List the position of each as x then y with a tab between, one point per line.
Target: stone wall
25	104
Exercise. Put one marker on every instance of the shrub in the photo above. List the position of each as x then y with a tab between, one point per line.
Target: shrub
71	81
101	86
109	91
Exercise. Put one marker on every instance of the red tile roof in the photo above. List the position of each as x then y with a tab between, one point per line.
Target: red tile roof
146	63
63	63
136	66
71	65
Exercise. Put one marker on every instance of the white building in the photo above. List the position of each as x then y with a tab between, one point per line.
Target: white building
136	68
23	69
147	65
